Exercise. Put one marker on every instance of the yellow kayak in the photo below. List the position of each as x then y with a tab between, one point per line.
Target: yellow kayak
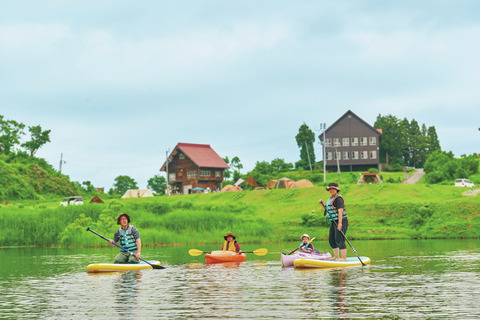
351	261
113	267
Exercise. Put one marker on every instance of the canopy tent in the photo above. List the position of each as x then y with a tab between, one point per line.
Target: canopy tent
138	193
284	183
304	183
230	188
96	199
252	182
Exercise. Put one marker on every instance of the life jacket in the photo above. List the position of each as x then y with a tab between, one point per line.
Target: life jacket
229	246
332	211
306	245
127	240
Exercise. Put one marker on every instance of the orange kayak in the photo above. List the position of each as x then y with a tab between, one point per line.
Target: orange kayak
224	256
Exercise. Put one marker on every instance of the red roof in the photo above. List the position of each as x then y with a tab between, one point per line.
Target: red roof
201	154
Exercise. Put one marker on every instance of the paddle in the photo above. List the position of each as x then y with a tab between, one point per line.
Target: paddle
353	249
299	247
153	265
258	252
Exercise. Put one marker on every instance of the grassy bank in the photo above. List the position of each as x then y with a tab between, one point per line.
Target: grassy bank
384	211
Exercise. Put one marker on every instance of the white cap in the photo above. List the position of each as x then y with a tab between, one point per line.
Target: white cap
305	235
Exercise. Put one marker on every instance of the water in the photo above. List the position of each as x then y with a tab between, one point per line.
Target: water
435	279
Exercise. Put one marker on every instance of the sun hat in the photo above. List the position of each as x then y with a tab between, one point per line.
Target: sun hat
123	215
305	235
229	234
333	185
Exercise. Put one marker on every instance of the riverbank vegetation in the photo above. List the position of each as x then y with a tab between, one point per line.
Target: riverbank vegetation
378	211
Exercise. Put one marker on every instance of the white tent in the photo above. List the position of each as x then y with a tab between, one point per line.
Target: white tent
138	193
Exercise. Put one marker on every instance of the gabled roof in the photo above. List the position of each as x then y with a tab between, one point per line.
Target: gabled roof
201	154
379	131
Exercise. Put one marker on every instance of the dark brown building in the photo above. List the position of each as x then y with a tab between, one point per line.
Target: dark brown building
194	166
351	143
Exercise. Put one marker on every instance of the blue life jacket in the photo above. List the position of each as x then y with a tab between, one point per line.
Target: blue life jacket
332	211
127	240
306	245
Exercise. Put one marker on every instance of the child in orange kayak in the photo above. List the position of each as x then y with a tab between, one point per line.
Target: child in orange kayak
230	244
305	246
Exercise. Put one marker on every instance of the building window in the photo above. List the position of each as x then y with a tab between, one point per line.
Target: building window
336	142
338	155
329	156
205	173
328	142
355	155
364	155
192	174
373	154
373	141
346	142
346	155
354	141
218	174
363	141
181	156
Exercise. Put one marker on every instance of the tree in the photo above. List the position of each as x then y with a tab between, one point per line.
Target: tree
391	146
235	163
38	139
88	186
123	183
158	184
227	173
305	139
281	165
10	133
433	144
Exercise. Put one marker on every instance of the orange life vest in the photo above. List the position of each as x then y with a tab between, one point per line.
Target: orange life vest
229	246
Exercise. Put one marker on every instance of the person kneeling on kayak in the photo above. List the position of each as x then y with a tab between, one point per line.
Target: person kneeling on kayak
129	239
305	246
230	244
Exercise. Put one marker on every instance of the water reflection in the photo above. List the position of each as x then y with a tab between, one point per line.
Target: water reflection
126	288
339	292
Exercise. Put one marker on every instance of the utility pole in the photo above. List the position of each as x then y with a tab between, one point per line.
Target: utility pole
166	168
324	127
61	162
308	155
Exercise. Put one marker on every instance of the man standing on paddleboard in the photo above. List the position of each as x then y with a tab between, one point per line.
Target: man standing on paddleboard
335	211
129	239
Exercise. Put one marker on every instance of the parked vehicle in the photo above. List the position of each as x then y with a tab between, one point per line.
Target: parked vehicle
75	200
464	183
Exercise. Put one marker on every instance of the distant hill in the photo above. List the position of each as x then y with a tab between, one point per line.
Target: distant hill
22	177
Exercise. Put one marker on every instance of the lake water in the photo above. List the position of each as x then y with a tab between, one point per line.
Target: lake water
434	279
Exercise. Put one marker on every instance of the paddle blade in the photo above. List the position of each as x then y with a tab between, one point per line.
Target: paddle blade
260	252
195	252
154	266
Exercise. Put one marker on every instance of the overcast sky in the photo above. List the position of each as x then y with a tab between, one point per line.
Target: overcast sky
121	82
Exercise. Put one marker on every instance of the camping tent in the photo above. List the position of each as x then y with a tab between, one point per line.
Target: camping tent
138	193
96	199
229	188
284	183
304	183
270	184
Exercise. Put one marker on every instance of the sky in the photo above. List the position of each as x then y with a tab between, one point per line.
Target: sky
120	83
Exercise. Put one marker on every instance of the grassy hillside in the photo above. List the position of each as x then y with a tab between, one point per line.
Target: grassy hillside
384	211
22	177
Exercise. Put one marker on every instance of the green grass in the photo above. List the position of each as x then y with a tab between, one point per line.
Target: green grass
376	211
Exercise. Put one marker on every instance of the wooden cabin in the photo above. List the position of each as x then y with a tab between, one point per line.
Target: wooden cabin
351	144
192	166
